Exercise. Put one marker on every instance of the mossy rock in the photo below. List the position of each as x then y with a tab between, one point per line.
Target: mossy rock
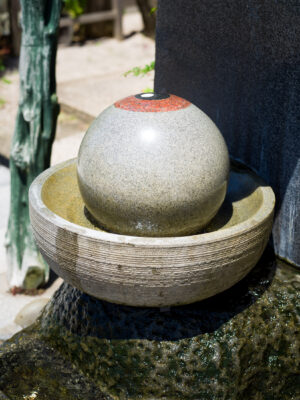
241	344
30	369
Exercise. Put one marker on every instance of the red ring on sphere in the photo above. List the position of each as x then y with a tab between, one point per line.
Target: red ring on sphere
171	103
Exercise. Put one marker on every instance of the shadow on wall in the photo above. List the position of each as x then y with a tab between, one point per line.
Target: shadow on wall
239	63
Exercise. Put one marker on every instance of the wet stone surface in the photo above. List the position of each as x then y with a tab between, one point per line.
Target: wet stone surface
241	344
32	369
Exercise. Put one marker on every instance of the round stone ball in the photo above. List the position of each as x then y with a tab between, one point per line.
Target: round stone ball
153	165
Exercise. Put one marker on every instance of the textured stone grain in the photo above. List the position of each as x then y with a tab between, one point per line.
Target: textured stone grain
144	103
159	173
32	369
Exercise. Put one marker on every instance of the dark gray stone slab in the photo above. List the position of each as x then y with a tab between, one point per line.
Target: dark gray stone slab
239	61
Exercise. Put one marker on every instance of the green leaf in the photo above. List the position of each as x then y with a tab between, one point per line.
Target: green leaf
5	80
74	7
153	10
138	71
148	90
2	67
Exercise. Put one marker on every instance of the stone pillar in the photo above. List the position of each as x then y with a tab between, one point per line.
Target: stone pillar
239	62
33	136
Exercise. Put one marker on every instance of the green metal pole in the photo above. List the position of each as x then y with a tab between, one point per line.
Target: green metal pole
33	136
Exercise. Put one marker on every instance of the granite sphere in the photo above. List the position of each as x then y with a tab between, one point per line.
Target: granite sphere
153	165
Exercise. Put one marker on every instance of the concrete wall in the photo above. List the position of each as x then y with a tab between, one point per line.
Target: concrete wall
239	61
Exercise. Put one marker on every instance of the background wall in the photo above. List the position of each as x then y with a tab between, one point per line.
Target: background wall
239	61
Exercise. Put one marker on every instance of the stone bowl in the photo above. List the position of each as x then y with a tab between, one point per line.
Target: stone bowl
148	271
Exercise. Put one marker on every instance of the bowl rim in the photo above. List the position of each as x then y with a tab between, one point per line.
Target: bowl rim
36	203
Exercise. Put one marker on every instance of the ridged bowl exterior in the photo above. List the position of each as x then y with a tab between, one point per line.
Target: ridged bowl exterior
141	271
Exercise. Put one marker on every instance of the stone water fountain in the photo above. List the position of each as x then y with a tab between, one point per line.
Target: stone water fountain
156	237
152	172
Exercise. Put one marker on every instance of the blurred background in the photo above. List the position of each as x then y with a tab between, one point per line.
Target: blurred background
106	52
92	60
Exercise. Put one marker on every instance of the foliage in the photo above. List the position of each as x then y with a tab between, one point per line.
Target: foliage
148	90
2	67
153	10
138	71
7	81
74	7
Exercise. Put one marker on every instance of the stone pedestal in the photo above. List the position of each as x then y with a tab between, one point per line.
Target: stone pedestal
241	344
239	62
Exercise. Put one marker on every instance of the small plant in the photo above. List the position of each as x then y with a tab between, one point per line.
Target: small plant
74	7
147	90
5	80
138	71
2	67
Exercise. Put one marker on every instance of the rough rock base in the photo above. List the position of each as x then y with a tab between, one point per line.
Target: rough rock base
241	344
